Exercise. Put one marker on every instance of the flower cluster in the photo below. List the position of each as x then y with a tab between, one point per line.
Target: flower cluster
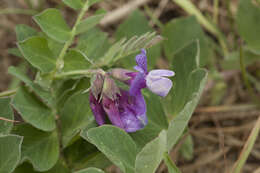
126	108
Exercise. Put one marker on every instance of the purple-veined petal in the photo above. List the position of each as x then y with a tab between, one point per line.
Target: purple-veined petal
111	108
161	72
97	110
132	111
160	85
137	84
141	61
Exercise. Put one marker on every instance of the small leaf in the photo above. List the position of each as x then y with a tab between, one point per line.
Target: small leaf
75	4
10	149
75	60
33	111
36	52
45	95
24	32
6	112
149	158
40	148
92	2
186	149
90	170
53	24
75	115
116	144
89	23
179	32
15	52
248	23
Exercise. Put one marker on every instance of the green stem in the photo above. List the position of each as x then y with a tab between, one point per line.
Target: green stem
245	78
59	62
8	93
79	72
191	9
172	168
18	11
216	10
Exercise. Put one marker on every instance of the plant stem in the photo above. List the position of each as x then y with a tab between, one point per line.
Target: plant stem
8	93
172	168
191	9
216	10
79	72
59	62
245	78
18	11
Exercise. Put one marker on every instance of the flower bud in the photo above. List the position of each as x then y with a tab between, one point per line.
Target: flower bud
110	88
97	82
122	75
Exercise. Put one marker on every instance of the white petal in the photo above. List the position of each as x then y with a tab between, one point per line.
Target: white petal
160	86
161	72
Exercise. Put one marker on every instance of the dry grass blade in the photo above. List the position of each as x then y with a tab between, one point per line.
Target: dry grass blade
247	148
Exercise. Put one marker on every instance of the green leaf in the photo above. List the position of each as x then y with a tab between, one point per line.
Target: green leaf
88	23
128	27
24	32
15	52
116	144
157	121
6	112
44	94
40	148
36	52
81	154
75	115
197	81
186	149
92	2
53	24
188	82
248	23
179	32
94	43
28	168
10	149
90	170
186	61
33	111
232	62
149	158
75	60
75	4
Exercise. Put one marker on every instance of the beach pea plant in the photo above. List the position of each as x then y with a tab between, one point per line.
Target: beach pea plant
91	102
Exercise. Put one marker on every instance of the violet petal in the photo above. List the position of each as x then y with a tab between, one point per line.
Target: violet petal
97	110
141	61
111	108
137	84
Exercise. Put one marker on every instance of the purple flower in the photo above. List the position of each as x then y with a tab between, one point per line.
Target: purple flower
155	80
125	111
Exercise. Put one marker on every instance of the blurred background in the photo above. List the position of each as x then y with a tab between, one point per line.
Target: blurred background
229	106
